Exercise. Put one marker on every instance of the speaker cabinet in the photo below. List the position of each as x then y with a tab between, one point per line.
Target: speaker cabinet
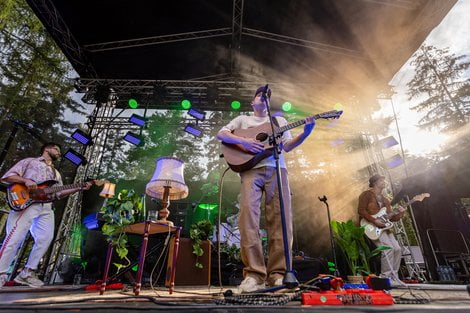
187	274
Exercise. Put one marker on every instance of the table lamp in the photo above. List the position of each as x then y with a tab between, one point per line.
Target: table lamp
167	184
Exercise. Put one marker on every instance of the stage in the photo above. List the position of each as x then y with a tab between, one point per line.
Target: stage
439	298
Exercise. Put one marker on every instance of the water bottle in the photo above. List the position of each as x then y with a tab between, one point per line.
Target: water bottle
77	279
452	274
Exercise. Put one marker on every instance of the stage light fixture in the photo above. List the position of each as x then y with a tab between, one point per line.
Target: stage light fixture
388	142
186	104
75	157
133	139
133	104
138	120
82	137
394	161
286	106
197	114
235	105
193	130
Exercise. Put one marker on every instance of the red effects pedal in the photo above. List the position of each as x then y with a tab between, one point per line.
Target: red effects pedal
347	297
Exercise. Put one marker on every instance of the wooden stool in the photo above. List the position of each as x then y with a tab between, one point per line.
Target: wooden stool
145	228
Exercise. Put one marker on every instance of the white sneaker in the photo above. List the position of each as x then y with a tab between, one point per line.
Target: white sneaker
250	284
28	278
278	282
3	280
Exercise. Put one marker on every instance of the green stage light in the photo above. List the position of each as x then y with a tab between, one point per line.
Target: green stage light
186	104
236	105
133	103
286	106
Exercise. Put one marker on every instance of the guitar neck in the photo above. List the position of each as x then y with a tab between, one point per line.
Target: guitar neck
296	124
392	214
55	189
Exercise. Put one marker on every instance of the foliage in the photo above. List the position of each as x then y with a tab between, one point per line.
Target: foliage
233	253
198	232
439	79
34	83
351	240
120	212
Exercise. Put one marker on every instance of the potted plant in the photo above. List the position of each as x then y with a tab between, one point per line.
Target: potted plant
118	213
198	232
351	240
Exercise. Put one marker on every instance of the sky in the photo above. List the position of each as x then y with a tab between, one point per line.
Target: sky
453	33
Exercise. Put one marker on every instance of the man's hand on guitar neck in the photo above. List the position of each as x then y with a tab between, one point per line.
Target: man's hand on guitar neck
64	193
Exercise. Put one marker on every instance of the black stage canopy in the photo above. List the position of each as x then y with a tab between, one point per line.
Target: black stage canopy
189	46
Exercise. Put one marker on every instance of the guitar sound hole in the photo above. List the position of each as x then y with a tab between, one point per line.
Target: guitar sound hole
261	136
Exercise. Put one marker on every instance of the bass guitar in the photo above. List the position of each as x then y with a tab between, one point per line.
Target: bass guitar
239	159
19	197
373	232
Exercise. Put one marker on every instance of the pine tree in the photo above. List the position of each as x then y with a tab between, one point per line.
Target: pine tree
439	79
34	83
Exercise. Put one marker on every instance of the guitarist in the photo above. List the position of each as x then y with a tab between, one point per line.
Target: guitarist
370	203
262	178
37	218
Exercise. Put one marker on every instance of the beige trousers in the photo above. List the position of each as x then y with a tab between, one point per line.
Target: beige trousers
390	259
254	183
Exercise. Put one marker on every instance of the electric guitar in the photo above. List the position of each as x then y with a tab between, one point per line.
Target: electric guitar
19	197
373	232
239	159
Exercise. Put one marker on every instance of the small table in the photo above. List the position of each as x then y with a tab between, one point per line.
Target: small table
145	228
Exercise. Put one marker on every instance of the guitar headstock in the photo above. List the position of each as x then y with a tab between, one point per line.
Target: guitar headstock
421	197
330	114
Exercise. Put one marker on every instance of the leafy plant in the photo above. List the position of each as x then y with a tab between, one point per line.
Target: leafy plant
351	240
120	212
233	253
198	232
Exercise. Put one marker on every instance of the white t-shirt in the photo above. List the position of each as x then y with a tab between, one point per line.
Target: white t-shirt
248	121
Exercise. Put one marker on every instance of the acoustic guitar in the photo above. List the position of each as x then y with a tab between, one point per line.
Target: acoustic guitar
19	197
239	159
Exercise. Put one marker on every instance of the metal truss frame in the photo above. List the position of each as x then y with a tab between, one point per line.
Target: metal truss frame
374	157
175	90
236	32
50	16
72	211
156	40
413	269
304	43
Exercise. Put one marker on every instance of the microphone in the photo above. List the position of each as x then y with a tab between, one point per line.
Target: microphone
266	92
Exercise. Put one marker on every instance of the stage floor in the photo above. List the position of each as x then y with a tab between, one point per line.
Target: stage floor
442	298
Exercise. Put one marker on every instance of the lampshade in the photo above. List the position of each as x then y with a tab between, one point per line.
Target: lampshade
108	190
168	173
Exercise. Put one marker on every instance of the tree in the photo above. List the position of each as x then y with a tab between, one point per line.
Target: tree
34	83
439	79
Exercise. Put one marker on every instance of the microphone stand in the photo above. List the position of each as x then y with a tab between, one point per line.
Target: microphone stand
332	242
289	281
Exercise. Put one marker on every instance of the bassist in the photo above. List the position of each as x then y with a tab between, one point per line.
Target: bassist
370	203
37	218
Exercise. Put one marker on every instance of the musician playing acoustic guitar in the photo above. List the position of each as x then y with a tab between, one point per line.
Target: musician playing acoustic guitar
370	203
38	218
262	178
